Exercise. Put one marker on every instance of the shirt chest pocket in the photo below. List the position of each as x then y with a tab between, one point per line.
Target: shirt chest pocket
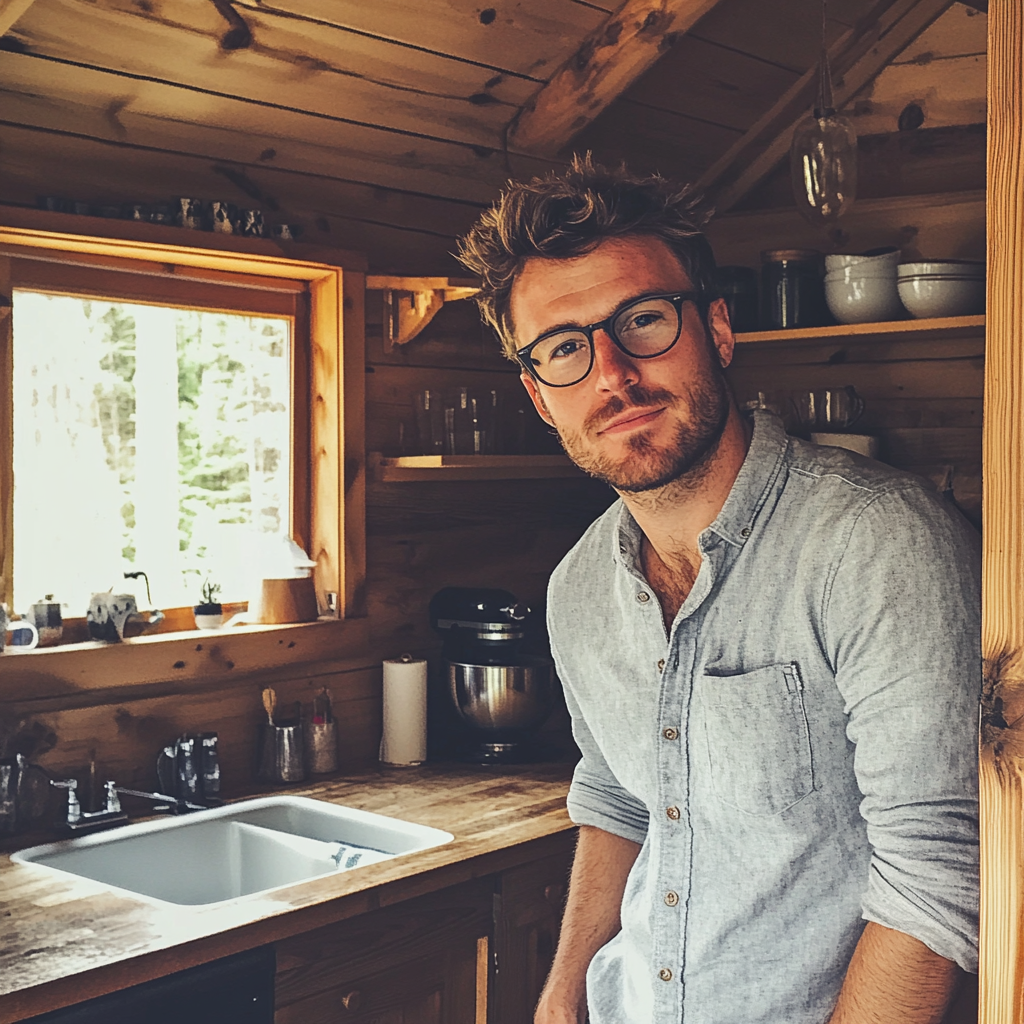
758	743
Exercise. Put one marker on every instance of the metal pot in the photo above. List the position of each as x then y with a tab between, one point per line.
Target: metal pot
502	698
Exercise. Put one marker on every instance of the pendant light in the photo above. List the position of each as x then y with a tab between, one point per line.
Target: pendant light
823	154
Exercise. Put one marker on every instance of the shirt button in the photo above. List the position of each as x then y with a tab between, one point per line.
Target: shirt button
661	664
643	597
670	733
671	898
745	532
665	974
673	813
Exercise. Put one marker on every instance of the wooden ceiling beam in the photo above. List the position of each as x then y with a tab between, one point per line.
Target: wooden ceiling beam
10	12
604	66
857	57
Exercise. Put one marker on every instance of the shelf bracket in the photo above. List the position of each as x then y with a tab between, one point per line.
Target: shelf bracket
410	303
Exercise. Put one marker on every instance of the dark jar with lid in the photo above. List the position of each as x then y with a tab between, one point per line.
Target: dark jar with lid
792	290
738	287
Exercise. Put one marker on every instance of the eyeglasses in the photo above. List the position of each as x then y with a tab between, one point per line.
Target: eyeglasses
643	328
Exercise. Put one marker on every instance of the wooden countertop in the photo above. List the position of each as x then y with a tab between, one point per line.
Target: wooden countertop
64	940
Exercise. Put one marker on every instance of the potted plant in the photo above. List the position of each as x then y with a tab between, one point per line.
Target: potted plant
209	614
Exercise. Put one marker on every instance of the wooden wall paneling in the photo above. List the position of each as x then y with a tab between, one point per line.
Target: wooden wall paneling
125	735
11	11
857	58
524	38
919	162
785	32
1001	975
6	436
651	139
705	80
353	468
455	338
168	118
293	62
946	226
508	534
942	71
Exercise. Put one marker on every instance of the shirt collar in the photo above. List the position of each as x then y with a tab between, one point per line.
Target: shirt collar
750	490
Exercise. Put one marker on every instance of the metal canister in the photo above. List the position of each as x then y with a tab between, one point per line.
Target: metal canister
792	289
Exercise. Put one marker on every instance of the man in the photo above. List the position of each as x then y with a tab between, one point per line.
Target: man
770	651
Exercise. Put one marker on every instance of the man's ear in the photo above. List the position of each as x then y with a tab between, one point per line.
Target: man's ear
721	331
538	399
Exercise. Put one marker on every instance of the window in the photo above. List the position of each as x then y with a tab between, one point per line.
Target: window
148	438
169	409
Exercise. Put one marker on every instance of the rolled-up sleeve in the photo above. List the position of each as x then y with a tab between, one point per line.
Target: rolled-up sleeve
596	797
903	630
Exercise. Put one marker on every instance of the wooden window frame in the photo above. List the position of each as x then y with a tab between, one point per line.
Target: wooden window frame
330	476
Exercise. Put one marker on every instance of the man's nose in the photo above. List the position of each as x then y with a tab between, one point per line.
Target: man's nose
613	368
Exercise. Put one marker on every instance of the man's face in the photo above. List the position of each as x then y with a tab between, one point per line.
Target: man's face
637	424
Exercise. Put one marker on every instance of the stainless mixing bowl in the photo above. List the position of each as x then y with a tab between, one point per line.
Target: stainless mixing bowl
500	698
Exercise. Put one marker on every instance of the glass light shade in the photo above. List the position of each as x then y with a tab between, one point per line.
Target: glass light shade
823	166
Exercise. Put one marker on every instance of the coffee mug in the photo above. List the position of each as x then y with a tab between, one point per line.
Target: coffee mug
17	634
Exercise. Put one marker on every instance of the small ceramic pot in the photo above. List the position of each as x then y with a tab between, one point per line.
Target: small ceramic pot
208	616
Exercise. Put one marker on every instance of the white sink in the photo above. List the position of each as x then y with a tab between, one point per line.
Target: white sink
243	849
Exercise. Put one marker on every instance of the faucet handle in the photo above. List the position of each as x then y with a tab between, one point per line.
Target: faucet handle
74	807
113	801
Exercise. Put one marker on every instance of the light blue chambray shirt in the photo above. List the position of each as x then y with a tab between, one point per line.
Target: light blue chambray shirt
798	755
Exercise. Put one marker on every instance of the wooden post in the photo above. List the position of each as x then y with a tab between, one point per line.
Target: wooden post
1001	979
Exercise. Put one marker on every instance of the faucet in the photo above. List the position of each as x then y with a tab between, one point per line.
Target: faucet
163	801
76	820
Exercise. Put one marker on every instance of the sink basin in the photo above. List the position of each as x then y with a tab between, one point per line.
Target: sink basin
243	849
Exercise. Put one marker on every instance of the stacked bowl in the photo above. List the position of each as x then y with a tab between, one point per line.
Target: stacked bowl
944	288
863	289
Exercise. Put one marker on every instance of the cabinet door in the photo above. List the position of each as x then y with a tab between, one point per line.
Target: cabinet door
528	916
421	962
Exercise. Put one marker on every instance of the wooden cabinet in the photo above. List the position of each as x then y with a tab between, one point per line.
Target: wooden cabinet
475	953
421	962
528	914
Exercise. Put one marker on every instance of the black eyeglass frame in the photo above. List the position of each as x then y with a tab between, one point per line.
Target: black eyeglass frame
678	299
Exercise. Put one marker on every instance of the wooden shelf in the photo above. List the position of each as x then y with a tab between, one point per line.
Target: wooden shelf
470	467
924	330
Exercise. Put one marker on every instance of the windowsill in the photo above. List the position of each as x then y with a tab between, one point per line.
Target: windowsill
190	658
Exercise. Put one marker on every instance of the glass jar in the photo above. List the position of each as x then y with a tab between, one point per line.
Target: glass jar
738	287
792	289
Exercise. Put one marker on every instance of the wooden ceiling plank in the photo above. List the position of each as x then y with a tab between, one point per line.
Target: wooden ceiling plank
857	58
712	83
245	134
524	37
291	63
11	11
416	237
606	64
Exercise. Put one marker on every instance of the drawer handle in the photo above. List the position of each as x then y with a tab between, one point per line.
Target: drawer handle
352	1000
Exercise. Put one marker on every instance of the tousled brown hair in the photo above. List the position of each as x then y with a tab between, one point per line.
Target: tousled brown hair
561	216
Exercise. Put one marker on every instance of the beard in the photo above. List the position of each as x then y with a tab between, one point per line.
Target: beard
648	466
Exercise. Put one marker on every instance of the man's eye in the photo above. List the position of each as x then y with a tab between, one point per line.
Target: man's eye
638	321
565	349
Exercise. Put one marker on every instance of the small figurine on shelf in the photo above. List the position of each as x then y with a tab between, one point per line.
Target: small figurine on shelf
209	614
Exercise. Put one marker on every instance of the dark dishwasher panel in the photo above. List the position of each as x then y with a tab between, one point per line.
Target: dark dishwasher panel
236	990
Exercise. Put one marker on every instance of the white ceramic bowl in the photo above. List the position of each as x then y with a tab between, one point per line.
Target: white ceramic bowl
859	273
864	300
949	268
838	261
938	295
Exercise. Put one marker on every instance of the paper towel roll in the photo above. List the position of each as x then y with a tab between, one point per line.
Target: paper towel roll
405	713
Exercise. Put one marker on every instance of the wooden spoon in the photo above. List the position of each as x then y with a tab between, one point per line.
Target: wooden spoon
269	703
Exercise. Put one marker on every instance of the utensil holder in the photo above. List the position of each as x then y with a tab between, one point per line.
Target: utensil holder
322	747
282	753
